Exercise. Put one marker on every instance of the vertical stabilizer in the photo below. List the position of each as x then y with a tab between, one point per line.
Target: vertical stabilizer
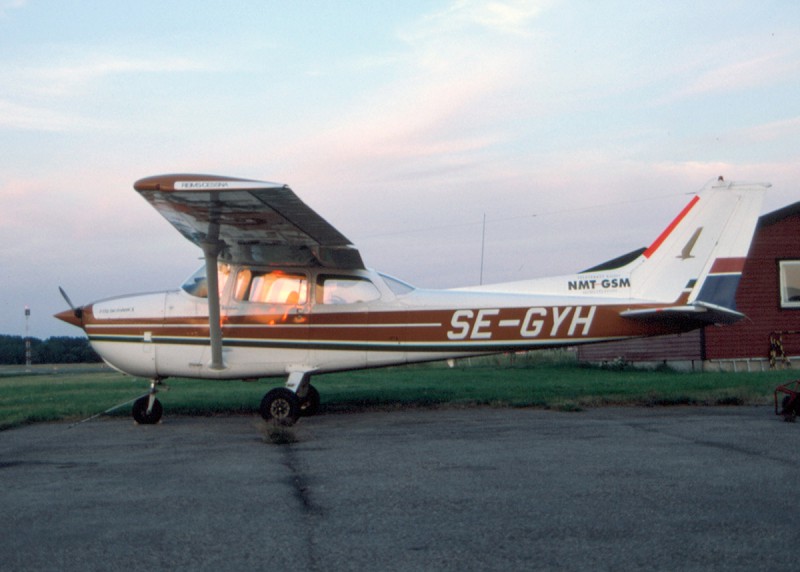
700	256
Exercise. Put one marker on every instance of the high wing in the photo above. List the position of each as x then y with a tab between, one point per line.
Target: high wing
245	222
250	222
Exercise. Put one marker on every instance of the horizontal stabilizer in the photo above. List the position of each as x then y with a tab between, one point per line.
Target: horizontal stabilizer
701	312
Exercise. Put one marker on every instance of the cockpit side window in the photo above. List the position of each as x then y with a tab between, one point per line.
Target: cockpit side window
197	285
275	287
345	290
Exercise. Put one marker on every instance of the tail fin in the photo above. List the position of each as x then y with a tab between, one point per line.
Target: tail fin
689	274
698	259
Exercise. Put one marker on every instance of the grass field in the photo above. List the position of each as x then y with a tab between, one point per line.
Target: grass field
75	393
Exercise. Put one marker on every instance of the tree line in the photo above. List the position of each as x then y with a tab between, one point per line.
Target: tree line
51	350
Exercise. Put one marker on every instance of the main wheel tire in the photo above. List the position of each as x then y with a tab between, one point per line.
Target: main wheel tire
309	405
140	414
280	405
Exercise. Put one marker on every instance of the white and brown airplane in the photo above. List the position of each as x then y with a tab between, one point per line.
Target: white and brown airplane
283	293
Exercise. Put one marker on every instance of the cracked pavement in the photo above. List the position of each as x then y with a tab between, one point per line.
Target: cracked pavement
451	489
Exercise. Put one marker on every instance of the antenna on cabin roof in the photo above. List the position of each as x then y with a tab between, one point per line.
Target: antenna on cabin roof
483	243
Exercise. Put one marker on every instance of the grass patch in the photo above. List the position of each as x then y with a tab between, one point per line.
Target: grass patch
37	396
77	394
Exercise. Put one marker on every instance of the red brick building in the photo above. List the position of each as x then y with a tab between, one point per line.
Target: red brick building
768	294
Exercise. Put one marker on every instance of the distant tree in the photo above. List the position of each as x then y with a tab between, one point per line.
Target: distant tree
51	350
12	350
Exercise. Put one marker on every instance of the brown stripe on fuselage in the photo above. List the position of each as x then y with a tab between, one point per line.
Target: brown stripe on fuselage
443	327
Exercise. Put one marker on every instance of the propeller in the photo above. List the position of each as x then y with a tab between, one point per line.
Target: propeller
78	311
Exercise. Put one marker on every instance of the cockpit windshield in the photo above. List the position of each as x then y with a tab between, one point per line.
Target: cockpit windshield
196	284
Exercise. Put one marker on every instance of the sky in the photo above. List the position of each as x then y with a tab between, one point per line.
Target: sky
454	141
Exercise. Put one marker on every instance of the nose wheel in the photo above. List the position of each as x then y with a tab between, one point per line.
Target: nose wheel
147	409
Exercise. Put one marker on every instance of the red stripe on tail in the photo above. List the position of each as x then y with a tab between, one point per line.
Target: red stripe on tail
667	231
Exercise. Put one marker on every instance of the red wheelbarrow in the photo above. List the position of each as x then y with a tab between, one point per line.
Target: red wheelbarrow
790	404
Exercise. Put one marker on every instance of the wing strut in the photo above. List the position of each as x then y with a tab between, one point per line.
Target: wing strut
211	251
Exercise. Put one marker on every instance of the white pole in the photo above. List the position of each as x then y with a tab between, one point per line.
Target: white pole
27	338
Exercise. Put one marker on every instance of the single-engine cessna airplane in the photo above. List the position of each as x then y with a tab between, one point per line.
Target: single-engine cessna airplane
283	293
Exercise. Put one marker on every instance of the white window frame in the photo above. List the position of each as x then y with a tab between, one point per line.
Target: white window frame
789	277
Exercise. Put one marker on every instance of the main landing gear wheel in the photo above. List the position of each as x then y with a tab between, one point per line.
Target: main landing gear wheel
281	405
309	405
142	416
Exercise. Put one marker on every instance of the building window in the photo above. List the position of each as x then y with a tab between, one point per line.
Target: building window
790	283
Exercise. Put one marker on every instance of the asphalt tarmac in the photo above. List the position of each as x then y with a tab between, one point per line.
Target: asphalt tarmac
453	489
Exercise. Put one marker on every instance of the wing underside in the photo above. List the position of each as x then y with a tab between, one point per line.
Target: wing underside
252	222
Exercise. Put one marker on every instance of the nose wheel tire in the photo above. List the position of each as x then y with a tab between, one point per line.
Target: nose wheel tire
281	405
141	415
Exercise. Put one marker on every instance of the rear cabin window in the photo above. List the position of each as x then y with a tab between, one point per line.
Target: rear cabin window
790	283
345	290
271	287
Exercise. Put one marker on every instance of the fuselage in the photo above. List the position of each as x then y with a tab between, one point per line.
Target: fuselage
318	320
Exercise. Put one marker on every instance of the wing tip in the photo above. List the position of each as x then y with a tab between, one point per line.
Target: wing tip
199	182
